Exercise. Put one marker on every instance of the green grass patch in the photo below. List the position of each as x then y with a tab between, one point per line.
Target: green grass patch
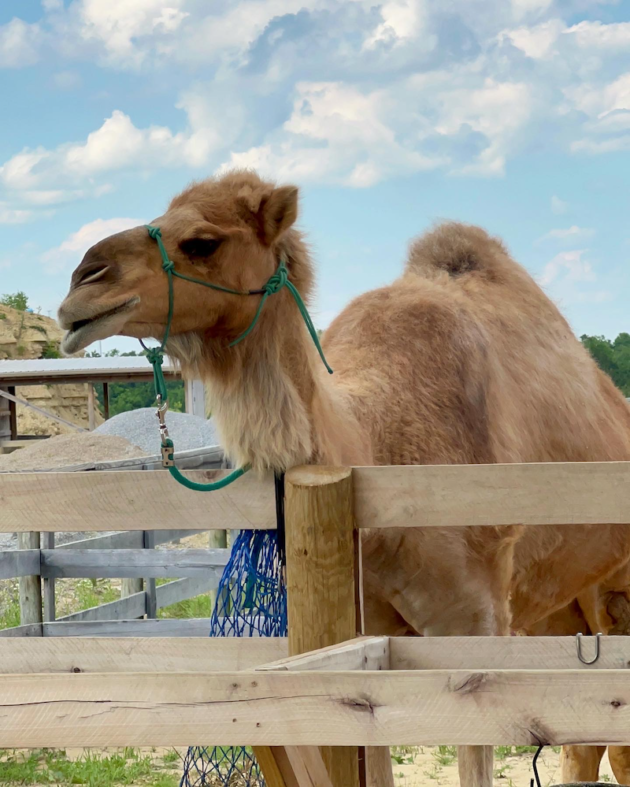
92	769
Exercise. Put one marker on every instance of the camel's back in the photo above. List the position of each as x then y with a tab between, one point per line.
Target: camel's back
465	359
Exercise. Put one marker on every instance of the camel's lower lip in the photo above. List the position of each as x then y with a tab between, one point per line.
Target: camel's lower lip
84	332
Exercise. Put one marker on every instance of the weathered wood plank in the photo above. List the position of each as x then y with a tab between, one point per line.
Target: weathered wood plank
523	653
30	587
28	630
133	500
182	589
455	495
324	709
123	609
131	540
362	653
138	654
133	563
19	563
50	611
189	627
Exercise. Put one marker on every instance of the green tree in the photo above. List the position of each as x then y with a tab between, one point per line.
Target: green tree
18	300
613	357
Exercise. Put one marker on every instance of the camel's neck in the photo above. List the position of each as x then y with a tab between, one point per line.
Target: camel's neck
281	408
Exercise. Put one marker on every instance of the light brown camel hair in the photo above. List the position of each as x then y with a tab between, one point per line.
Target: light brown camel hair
600	608
462	359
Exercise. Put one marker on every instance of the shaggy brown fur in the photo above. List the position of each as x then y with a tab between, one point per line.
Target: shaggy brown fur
463	359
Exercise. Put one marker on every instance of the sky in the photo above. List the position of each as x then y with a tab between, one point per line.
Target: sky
389	115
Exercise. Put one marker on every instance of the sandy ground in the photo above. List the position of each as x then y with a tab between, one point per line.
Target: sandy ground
434	767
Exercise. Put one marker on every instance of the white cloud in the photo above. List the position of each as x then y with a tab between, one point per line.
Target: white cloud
569	234
118	24
570	277
597	35
536	42
335	133
10	215
558	206
72	250
497	110
19	44
116	145
402	20
608	109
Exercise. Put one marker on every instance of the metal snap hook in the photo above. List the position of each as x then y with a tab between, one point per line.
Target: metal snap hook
578	642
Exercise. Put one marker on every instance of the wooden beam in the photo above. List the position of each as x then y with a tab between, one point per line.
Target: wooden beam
190	627
19	563
9	394
508	707
523	653
106	401
133	563
50	612
134	500
91	407
456	495
127	608
30	587
321	577
138	654
362	653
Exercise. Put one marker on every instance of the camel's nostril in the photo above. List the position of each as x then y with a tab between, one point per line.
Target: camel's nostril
92	275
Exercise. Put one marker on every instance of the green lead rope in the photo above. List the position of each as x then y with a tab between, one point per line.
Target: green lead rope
155	355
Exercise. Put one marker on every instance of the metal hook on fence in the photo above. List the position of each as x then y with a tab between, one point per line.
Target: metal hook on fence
578	642
535	767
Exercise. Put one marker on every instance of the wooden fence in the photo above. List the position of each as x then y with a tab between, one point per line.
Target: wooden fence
366	692
117	555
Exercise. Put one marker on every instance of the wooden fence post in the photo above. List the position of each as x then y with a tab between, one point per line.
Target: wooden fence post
321	577
30	588
48	542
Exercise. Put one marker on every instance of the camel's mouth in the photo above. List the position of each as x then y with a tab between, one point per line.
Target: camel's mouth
81	333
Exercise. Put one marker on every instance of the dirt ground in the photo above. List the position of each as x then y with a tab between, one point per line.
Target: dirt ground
430	766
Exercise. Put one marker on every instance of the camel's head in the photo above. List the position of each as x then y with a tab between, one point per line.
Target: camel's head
230	231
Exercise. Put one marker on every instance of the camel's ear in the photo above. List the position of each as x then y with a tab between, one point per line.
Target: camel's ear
277	213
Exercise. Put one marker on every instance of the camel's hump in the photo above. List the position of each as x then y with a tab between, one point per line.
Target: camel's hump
456	248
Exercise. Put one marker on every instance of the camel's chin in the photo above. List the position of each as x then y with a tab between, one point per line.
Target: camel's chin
84	332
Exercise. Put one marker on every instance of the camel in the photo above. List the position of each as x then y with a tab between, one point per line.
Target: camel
601	608
462	359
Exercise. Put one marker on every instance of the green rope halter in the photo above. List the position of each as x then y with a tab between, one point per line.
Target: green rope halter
155	355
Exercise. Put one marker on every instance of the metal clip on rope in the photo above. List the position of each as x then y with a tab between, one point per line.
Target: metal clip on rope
155	355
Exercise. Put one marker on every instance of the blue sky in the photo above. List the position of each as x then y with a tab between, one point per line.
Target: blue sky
389	114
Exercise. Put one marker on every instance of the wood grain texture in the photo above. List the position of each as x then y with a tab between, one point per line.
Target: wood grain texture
131	500
362	653
19	563
522	653
509	707
133	563
137	654
455	495
321	589
30	587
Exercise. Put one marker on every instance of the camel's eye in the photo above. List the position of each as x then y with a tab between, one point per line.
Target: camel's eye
200	247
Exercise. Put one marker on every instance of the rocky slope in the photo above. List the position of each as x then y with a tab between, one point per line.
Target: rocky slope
26	336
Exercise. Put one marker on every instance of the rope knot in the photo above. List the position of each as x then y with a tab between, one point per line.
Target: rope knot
155	356
276	282
154	232
168	266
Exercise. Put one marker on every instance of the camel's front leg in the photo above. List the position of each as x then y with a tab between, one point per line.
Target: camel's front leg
581	763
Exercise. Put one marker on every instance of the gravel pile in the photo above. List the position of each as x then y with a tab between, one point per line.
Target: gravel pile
69	449
140	427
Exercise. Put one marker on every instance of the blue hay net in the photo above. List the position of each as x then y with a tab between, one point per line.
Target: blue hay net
251	602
